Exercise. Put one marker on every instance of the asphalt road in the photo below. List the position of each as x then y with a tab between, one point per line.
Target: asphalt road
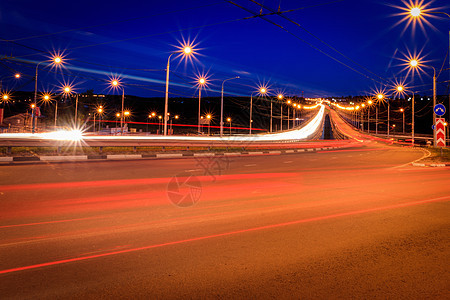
353	223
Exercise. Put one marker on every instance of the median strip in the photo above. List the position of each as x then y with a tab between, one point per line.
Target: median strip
187	154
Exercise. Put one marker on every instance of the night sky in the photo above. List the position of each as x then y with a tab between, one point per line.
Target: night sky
133	39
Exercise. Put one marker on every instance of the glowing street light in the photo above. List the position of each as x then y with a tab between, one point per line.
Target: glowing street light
66	90
289	102
100	112
201	84
208	117
418	12
229	121
416	64
56	60
369	103
221	105
5	97
403	113
17	75
379	97
415	11
260	91
186	51
115	83
280	97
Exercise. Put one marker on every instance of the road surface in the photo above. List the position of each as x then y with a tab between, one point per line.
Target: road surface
353	223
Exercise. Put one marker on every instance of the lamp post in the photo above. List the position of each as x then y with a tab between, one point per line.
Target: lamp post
293	114
369	103
159	124
117	117
417	12
362	120
415	63
100	113
261	91
221	105
67	90
280	97
47	98
229	121
186	51
288	113
115	83
356	115
125	115
201	83
171	123
403	113
151	116
380	97
56	60
208	117
412	120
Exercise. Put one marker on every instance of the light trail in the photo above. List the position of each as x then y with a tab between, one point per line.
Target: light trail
230	233
299	134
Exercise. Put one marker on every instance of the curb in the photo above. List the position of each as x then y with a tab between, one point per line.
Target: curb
118	157
431	165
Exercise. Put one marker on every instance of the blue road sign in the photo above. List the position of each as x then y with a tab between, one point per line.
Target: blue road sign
439	109
433	127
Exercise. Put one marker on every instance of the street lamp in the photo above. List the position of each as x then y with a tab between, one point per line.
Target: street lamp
289	103
379	98
260	91
229	121
56	60
151	116
403	113
415	63
100	113
176	117
221	105
293	114
66	90
201	83
186	51
159	123
115	84
362	120
126	114
280	97
17	75
417	14
47	98
369	103
208	117
117	117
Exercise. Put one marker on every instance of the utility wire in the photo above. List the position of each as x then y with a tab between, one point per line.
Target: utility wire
255	15
110	23
281	14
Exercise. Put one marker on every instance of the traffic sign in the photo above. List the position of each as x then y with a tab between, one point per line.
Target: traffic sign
433	127
439	109
440	132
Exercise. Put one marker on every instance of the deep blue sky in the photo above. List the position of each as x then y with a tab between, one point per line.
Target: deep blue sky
228	45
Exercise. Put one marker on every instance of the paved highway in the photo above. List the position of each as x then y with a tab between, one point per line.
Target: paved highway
353	223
